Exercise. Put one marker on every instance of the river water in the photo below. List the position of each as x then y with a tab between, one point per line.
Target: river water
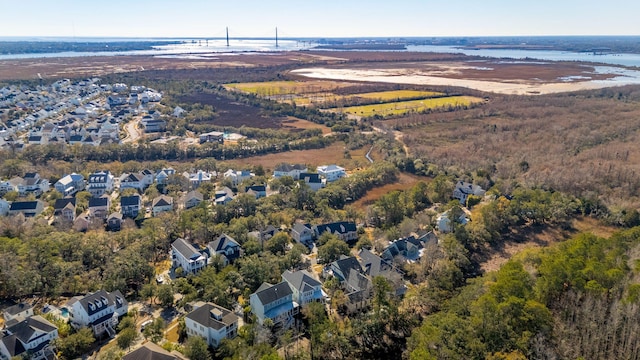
206	48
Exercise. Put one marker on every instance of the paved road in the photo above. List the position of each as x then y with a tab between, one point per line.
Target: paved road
131	128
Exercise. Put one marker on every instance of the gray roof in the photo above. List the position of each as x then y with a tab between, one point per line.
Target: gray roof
98	298
150	351
17	308
341	227
24	205
25	329
162	200
185	249
207	313
222	242
62	203
285	167
130	200
300	280
98	201
300	227
268	294
13	345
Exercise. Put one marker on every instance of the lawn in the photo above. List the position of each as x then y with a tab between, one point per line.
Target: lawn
403	107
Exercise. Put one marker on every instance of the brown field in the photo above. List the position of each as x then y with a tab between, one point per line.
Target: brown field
295	124
405	181
542	237
333	154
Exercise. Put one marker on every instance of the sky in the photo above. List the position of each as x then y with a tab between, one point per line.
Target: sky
314	18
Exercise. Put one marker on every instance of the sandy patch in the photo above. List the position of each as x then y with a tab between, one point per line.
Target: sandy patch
446	76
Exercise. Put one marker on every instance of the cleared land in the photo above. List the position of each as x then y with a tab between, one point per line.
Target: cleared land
404	107
272	88
333	154
405	181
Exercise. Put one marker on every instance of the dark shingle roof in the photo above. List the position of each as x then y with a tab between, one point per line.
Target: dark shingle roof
150	351
300	280
341	227
272	293
130	200
17	308
62	203
222	242
98	201
185	249
24	205
204	315
97	300
311	178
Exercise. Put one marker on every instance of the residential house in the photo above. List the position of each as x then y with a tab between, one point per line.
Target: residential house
100	311
160	204
331	172
81	223
114	221
212	137
373	265
130	205
409	248
345	230
305	287
18	311
33	184
100	182
357	286
223	196
178	111
10	185
263	235
187	257
303	234
225	247
444	223
191	199
70	184
199	177
464	189
148	177
4	207
163	175
27	208
64	209
285	169
274	302
257	191
211	322
28	338
99	207
152	125
236	177
151	351
313	181
133	181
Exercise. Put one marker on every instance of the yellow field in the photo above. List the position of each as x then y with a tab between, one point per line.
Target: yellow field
275	88
396	95
403	107
318	99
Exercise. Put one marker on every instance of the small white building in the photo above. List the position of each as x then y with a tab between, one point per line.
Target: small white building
285	169
444	223
237	177
100	182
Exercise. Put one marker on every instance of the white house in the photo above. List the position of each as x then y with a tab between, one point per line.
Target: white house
274	302
211	322
444	223
303	234
331	172
237	177
285	169
199	177
133	181
161	204
100	182
305	287
163	175
226	247
70	184
313	181
464	189
187	257
191	199
18	311
33	184
99	311
4	207
28	338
